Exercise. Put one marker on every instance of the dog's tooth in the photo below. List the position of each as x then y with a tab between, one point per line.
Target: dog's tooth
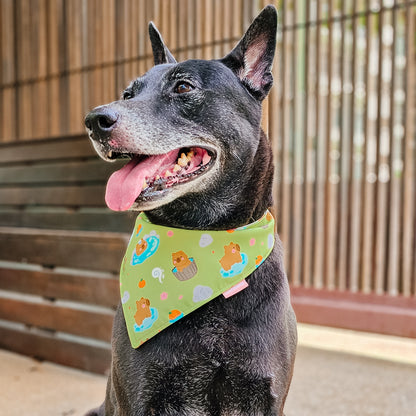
168	173
145	184
177	168
110	154
157	177
183	161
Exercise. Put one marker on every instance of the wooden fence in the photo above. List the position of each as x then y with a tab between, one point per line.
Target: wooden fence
341	118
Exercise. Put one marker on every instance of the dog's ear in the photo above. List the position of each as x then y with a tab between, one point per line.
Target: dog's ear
161	53
252	58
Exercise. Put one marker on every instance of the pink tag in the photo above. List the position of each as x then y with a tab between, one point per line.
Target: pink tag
235	289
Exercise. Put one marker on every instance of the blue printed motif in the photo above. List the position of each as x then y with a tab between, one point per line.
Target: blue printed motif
151	245
236	268
147	322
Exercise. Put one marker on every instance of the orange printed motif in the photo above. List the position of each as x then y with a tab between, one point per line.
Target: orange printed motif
180	260
141	246
143	311
232	255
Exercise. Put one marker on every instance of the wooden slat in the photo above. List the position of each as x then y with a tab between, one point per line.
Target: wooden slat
75	249
286	168
74	44
8	71
309	160
59	219
356	163
298	62
64	148
409	185
54	196
96	359
63	172
96	325
381	314
368	190
101	291
319	213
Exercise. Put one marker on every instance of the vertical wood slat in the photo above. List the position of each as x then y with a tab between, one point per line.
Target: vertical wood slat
39	57
370	175
356	155
298	128
208	28
286	106
331	189
24	90
383	151
409	168
74	64
395	185
309	148
8	71
343	152
274	115
319	241
53	113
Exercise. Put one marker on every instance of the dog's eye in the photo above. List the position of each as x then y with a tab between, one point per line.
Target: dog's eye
127	95
183	87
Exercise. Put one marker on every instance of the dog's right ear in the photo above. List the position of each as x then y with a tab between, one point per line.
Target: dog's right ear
161	53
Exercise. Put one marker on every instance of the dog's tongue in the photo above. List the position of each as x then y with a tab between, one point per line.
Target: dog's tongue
126	184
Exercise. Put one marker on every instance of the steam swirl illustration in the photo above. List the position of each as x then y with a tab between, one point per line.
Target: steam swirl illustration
158	273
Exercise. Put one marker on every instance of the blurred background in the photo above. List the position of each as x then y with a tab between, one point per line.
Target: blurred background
341	119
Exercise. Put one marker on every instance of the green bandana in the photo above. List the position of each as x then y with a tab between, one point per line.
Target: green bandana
169	272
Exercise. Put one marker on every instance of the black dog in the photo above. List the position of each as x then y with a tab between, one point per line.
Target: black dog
237	354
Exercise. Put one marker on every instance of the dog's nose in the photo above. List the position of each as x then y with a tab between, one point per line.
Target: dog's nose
101	121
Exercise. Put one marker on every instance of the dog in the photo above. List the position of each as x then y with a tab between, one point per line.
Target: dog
232	255
231	356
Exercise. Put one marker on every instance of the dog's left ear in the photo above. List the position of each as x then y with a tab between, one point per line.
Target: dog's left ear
161	53
252	58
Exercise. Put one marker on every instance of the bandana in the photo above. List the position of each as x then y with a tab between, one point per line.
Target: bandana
169	272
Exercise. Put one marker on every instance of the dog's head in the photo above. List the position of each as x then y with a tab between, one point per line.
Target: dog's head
186	126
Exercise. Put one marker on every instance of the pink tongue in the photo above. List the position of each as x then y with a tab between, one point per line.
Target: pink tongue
126	184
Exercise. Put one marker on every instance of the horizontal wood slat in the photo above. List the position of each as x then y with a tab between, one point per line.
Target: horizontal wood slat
75	249
90	324
63	172
375	313
87	357
46	218
49	284
54	196
64	148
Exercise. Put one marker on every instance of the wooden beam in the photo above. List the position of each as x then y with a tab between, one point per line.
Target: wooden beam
362	312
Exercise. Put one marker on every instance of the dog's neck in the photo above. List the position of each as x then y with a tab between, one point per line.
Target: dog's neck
229	205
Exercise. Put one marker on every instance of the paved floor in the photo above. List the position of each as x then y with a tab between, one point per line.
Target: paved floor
337	373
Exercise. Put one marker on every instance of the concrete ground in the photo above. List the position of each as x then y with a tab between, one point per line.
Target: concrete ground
337	373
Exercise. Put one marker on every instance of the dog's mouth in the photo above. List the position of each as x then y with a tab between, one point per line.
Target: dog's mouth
145	177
